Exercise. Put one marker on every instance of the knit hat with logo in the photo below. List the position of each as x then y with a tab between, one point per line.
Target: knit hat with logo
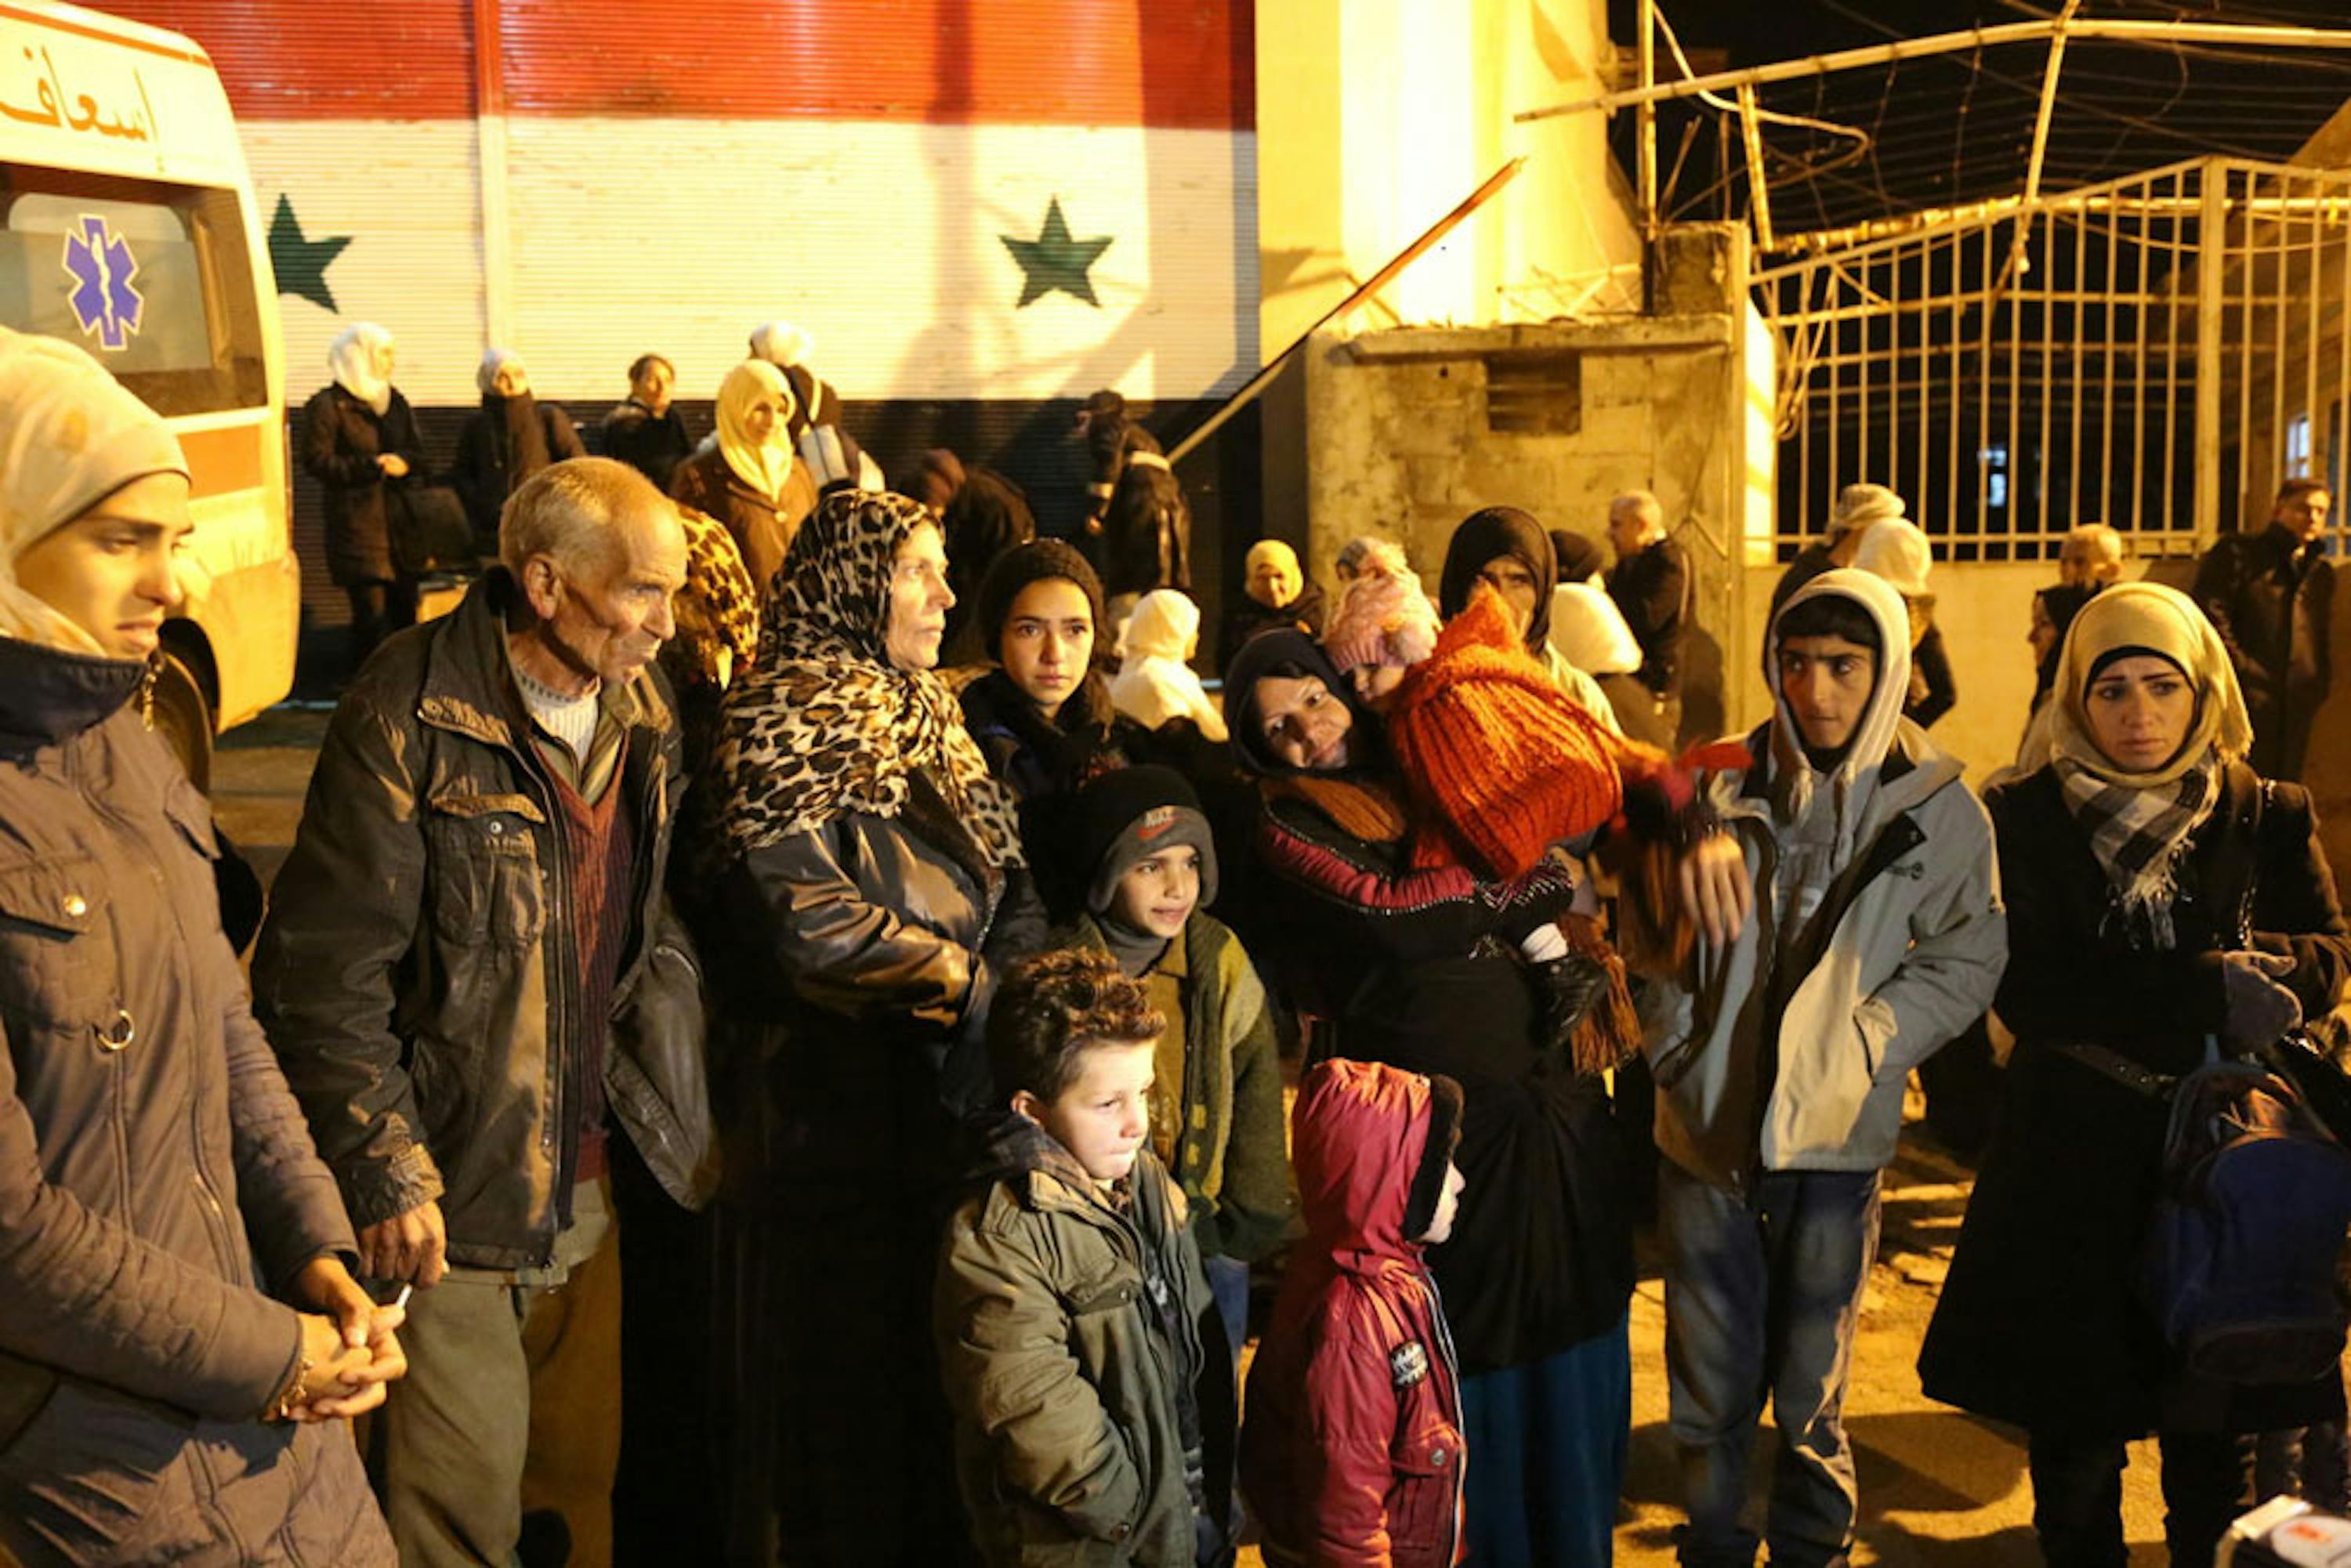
1124	818
1506	762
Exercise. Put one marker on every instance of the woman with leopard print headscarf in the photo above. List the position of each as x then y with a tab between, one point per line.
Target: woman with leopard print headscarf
869	879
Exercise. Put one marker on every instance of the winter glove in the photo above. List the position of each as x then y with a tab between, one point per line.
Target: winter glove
2257	1009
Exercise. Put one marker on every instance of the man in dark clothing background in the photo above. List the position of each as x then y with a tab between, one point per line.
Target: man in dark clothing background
2271	594
644	431
1651	586
468	965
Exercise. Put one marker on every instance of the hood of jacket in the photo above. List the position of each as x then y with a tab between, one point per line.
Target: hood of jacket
1008	1147
1854	777
48	695
1166	625
1356	1139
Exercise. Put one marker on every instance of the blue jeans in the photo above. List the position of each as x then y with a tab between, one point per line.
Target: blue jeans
1763	1297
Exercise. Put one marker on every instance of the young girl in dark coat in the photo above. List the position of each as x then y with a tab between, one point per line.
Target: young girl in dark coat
2159	895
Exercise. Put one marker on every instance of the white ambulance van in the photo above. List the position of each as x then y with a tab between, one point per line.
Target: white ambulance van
128	225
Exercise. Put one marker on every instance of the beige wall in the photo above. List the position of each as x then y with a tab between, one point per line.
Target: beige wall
1376	117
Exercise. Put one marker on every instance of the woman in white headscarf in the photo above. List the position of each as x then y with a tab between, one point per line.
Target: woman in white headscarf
749	477
180	1332
358	442
511	437
2159	895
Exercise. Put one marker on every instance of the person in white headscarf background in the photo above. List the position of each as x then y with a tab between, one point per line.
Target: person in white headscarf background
1896	549
832	455
1591	634
2159	892
512	436
178	1335
360	441
748	476
1155	684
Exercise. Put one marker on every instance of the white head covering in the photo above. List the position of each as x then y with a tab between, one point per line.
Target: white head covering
1854	776
1590	632
764	466
1155	683
780	343
497	359
1858	505
71	435
351	358
1895	549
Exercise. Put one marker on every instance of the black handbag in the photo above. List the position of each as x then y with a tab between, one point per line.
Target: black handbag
428	529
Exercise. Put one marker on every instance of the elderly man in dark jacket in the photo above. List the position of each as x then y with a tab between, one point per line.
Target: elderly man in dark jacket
468	966
2270	595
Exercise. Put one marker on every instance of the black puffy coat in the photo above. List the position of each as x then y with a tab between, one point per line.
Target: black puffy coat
157	1185
652	444
2041	1322
342	438
2271	603
494	458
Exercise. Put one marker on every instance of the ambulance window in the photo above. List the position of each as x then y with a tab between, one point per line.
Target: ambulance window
153	279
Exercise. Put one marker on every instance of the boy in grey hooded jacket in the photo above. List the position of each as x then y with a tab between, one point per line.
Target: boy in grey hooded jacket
1780	1058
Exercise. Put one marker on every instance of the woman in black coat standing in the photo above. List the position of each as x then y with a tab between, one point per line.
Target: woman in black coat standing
869	878
2160	894
360	441
511	437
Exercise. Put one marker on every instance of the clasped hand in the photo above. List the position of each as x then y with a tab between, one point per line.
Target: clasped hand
350	1349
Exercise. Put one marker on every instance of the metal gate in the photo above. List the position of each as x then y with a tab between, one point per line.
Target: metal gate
2156	353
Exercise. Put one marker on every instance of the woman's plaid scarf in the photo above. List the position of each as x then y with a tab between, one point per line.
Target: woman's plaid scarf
2140	836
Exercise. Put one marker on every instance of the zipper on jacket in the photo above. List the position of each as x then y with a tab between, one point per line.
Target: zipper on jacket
1781	981
1461	1450
124	831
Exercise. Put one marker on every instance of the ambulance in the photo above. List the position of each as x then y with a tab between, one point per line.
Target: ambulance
128	226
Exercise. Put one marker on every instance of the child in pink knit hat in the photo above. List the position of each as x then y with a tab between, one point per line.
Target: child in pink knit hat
1384	624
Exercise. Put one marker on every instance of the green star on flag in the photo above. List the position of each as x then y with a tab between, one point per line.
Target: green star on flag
1053	260
301	264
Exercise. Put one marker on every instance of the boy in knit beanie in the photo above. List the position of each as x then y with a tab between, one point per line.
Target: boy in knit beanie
1216	1119
1352	1451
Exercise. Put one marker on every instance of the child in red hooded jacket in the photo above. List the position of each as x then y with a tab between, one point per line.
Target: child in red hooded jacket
1352	1451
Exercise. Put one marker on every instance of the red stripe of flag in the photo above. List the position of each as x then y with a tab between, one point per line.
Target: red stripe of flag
1176	64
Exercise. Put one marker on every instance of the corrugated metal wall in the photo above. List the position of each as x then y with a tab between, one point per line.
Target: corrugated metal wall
582	180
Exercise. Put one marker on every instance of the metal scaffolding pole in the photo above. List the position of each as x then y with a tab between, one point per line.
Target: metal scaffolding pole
2113	29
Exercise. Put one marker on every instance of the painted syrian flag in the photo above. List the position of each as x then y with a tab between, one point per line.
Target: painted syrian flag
997	199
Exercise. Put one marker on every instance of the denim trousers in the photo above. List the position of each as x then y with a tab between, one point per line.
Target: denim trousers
1762	1299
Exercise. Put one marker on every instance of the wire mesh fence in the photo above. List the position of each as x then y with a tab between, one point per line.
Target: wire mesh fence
2156	353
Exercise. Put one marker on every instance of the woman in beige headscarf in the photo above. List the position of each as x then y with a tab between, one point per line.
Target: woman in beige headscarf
2161	896
748	477
180	1332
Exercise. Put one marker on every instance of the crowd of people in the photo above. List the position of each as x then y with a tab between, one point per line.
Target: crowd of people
770	1044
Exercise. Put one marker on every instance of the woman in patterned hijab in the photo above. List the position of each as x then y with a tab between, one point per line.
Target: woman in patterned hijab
869	883
843	707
